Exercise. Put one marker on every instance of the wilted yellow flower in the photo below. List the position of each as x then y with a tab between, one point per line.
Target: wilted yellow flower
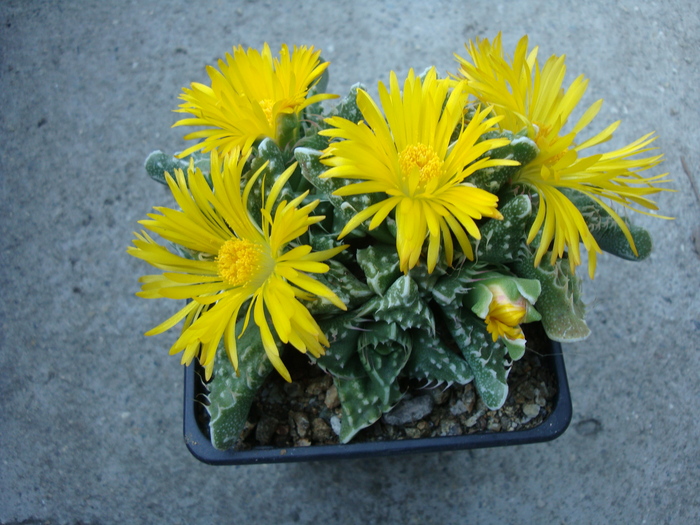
239	262
528	96
410	157
248	94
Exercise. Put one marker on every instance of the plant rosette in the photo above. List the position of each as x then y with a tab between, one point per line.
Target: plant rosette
395	241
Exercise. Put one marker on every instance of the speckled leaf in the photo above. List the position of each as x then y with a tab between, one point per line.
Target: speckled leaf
312	169
521	149
157	163
341	359
269	152
501	239
345	285
381	266
559	302
347	108
383	352
361	405
432	360
487	360
449	290
231	396
402	304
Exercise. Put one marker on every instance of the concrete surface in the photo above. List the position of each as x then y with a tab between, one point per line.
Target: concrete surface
90	418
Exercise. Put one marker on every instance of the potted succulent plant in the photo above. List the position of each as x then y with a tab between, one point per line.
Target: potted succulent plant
396	242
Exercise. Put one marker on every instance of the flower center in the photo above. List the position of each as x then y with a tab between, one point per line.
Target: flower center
266	105
239	261
504	317
424	159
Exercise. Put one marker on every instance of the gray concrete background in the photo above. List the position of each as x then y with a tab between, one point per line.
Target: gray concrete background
90	417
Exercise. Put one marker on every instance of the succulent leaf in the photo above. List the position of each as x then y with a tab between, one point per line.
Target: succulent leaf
402	304
487	359
361	404
158	163
230	395
432	360
559	302
341	359
501	240
380	263
521	149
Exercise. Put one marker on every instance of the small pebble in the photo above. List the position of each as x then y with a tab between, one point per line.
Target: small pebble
335	425
301	423
320	431
409	410
331	400
531	410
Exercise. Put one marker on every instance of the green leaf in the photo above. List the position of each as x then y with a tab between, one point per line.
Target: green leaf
341	359
345	285
501	240
231	396
487	359
380	263
157	163
347	108
559	302
384	350
521	149
432	360
402	304
361	404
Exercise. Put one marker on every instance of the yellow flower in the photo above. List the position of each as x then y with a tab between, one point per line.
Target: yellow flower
505	316
239	262
248	96
527	96
409	157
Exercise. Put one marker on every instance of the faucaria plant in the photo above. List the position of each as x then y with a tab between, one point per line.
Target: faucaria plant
406	236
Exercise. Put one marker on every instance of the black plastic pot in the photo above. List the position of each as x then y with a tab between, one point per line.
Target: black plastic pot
552	427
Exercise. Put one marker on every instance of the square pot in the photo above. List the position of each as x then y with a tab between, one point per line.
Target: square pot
197	439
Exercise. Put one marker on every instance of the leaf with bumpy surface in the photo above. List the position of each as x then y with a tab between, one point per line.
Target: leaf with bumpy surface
487	360
312	169
402	304
433	361
158	163
361	405
559	302
380	263
347	108
341	359
231	396
501	240
345	285
521	149
384	350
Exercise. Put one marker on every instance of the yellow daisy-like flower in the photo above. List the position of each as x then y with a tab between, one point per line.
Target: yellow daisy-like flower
248	96
527	96
240	262
410	157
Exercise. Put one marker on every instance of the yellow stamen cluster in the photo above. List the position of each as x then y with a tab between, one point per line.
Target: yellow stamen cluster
424	159
239	260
